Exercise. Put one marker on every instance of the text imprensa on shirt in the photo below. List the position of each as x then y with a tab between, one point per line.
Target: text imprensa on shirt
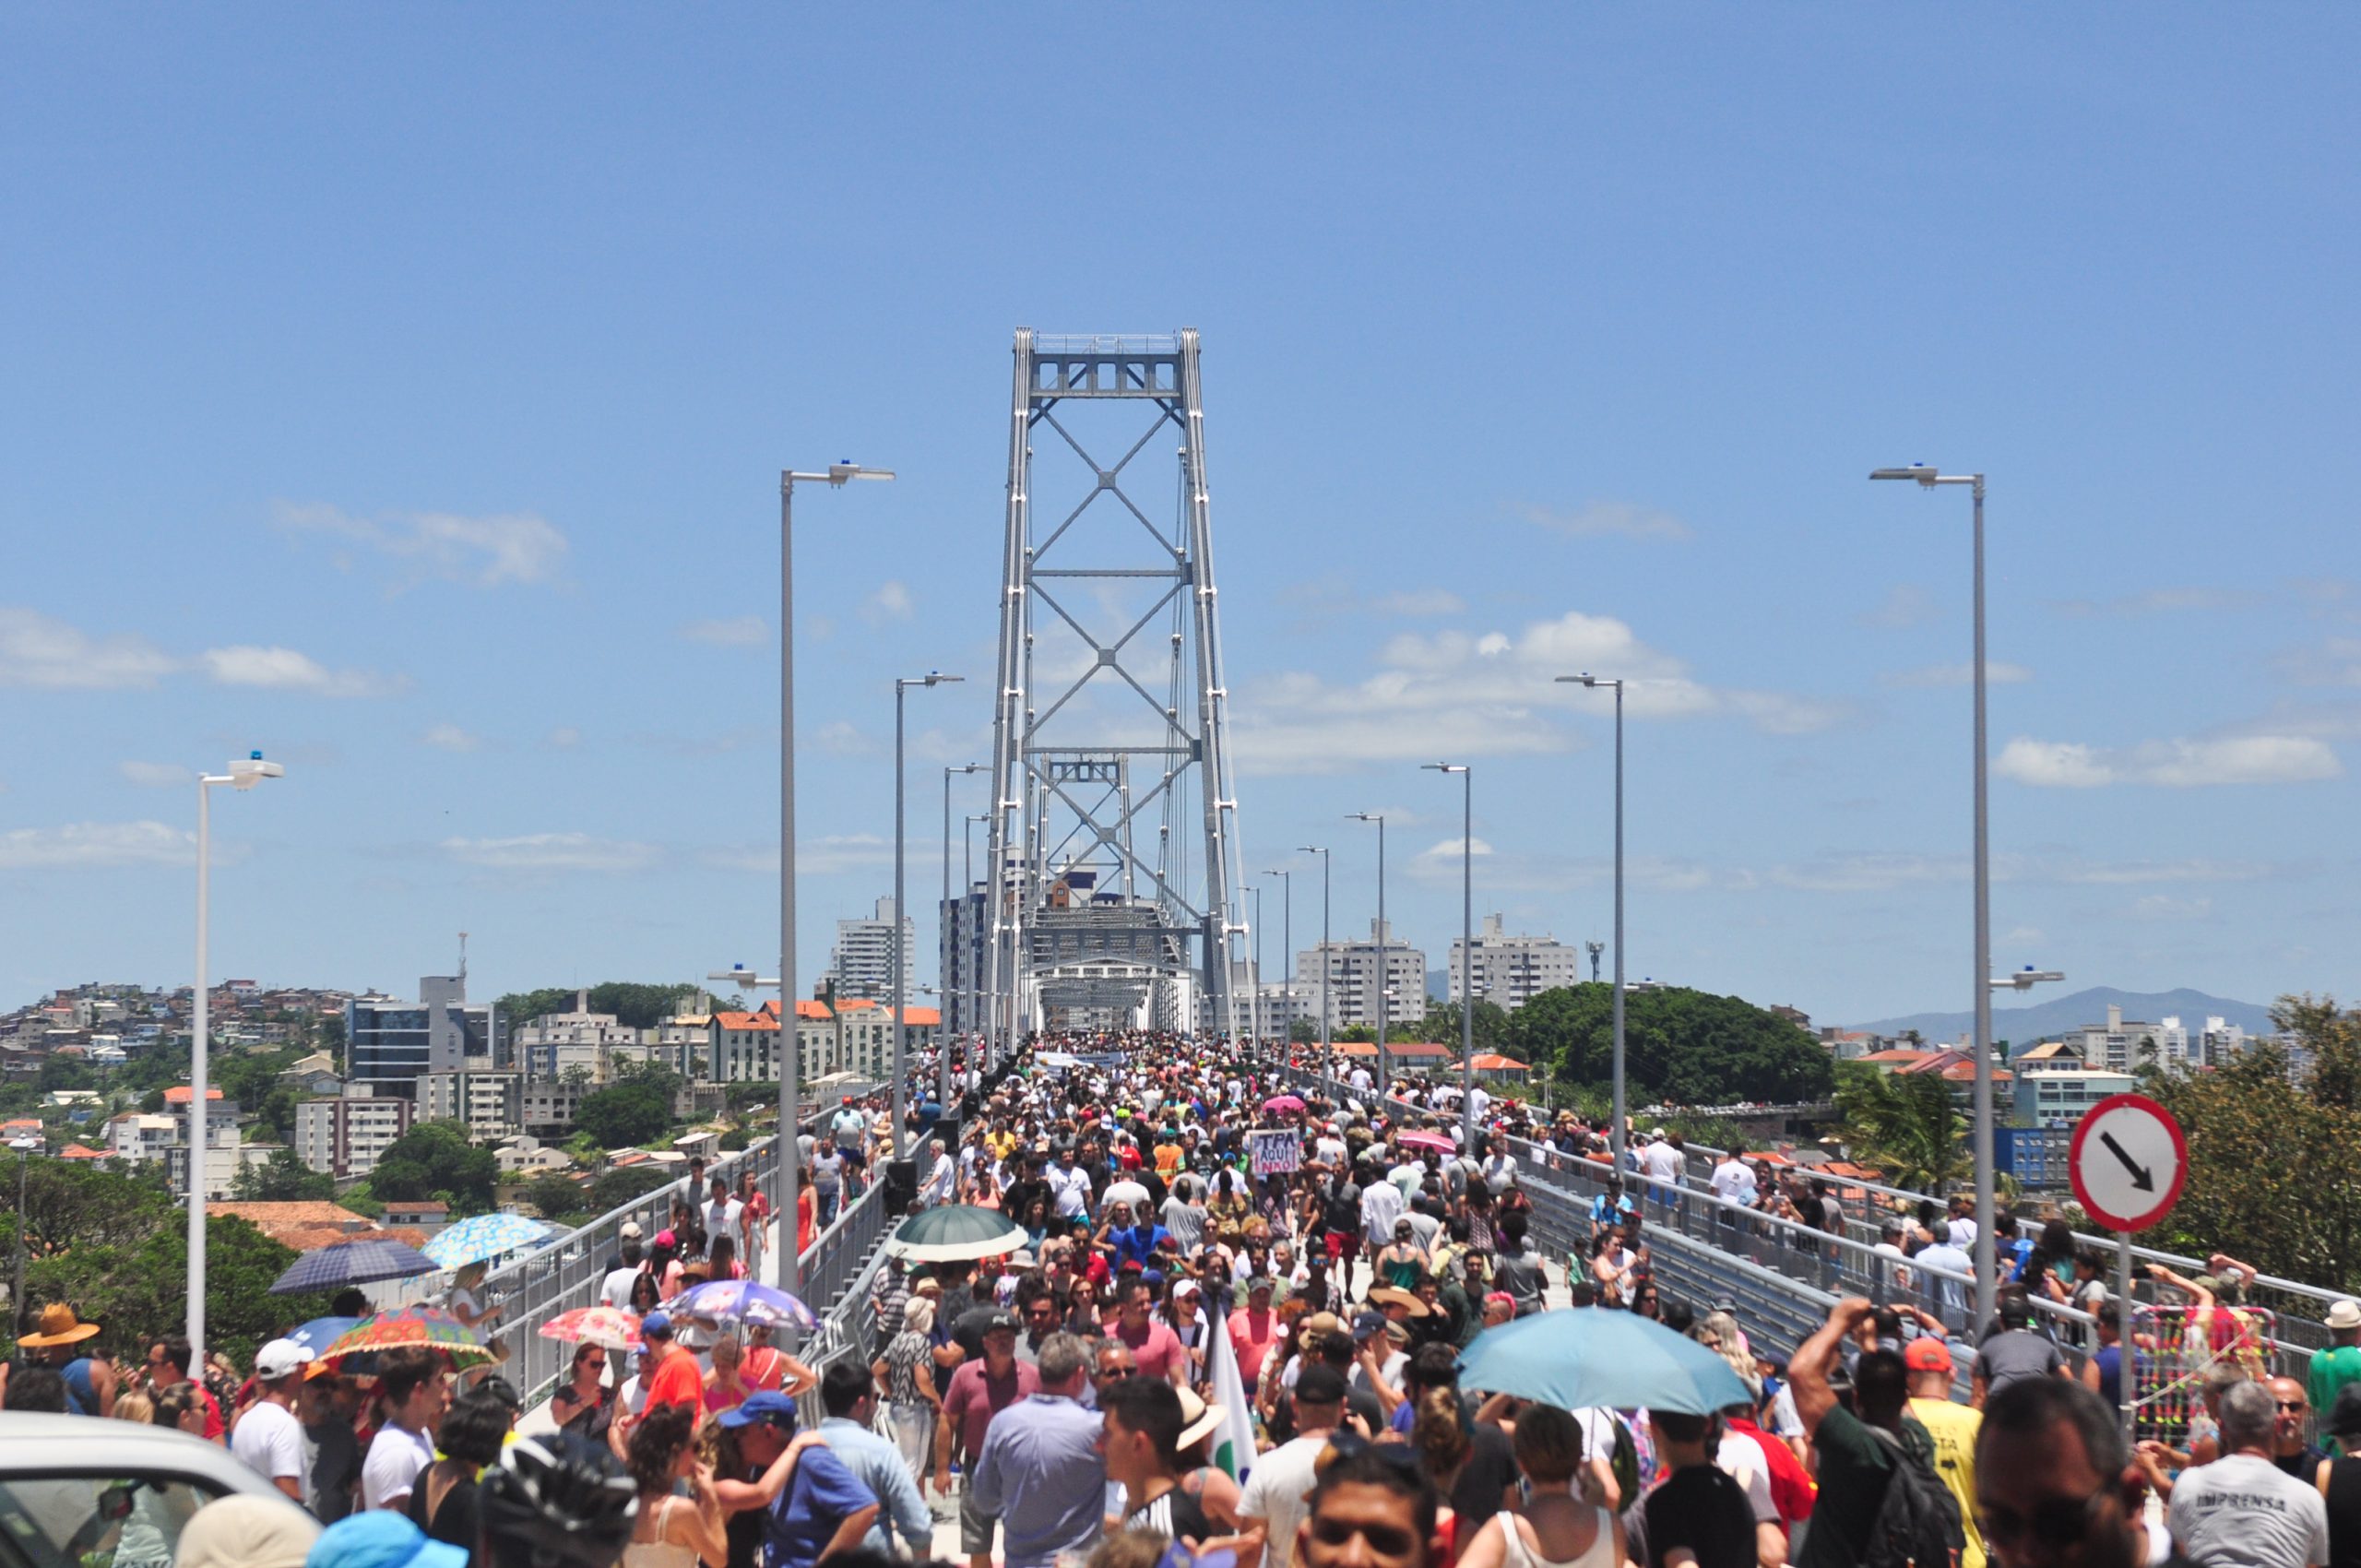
2242	1513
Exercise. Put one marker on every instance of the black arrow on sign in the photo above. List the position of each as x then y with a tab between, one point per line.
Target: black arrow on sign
2142	1177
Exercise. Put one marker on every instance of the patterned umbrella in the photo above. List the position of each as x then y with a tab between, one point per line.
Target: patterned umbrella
427	1327
956	1232
615	1329
483	1236
1283	1103
741	1300
340	1263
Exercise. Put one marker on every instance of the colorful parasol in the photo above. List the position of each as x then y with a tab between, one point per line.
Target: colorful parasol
611	1326
428	1327
340	1263
482	1236
741	1300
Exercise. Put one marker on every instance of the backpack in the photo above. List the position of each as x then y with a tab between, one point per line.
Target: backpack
1917	1520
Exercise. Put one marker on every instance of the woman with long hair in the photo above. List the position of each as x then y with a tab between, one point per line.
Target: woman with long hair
724	1387
672	1531
1556	1528
584	1404
722	1263
646	1293
1439	1433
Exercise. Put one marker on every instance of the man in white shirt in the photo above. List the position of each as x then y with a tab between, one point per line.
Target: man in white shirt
1950	1295
1381	1207
940	1177
614	1290
416	1393
1273	1503
1070	1184
1963	1223
1733	1179
269	1440
1360	1079
1500	1169
724	1213
1329	1147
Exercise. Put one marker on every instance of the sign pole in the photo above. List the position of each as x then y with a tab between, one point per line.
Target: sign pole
2128	1160
2125	1385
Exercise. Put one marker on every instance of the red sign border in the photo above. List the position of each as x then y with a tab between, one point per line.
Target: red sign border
2127	1223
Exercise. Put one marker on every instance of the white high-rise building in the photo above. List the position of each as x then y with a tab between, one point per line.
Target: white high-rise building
1366	980
344	1135
862	964
1512	970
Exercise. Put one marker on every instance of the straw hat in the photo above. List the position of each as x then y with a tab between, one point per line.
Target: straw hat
1199	1421
59	1326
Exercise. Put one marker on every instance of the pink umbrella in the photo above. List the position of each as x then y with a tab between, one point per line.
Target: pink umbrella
1283	1103
1435	1141
597	1326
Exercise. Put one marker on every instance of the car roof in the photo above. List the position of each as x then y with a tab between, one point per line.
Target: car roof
64	1446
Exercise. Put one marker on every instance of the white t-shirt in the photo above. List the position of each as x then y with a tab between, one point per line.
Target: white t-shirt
396	1457
2242	1512
1276	1489
1734	1181
1741	1458
269	1441
722	1218
1664	1162
615	1290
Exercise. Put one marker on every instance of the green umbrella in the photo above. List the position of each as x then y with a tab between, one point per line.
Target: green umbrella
954	1231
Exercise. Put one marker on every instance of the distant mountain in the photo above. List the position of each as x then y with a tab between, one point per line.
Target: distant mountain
1438	985
2023	1024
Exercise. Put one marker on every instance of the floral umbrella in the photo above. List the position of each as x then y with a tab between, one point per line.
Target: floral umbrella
611	1326
428	1327
482	1236
741	1300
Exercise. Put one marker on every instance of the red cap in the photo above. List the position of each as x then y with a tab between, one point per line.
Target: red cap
1926	1353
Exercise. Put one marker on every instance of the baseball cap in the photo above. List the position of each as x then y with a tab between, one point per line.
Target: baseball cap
2345	1313
376	1539
279	1358
666	1239
630	1230
771	1408
1928	1353
1261	1282
1321	1383
1000	1320
655	1325
1368	1324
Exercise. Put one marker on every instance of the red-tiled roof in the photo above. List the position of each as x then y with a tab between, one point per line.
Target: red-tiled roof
181	1094
1400	1049
1898	1053
810	1007
77	1151
1493	1061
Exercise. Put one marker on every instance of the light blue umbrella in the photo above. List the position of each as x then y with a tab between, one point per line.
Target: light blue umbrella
1579	1357
483	1236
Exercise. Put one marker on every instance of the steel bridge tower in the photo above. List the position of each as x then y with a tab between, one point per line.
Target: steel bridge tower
1114	846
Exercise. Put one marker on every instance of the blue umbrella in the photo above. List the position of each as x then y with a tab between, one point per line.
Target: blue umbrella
321	1332
352	1263
726	1300
1580	1357
482	1236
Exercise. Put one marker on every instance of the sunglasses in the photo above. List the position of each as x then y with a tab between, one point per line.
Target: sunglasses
2055	1523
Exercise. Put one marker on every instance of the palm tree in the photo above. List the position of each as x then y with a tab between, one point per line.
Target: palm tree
1905	1124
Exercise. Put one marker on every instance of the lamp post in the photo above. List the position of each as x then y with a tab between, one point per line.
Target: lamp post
789	1143
1328	1048
942	982
1617	1132
901	909
242	774
1986	1274
1384	1007
1286	959
1466	948
836	476
24	1147
1254	1013
974	1008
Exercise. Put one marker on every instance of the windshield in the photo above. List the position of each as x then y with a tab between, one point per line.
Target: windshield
99	1521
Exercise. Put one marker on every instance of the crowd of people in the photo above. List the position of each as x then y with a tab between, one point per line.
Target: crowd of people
1227	1329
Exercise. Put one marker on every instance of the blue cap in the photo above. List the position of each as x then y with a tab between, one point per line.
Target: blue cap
776	1409
654	1326
378	1540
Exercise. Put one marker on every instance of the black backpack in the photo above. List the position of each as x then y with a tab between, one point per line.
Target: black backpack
1917	1523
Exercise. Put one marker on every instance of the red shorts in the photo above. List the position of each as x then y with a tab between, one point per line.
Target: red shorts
1345	1246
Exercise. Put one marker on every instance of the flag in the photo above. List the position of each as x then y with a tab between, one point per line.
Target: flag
1234	1439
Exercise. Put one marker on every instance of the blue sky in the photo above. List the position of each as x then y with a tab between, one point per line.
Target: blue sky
402	391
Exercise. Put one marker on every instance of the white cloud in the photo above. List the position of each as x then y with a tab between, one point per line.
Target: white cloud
1608	517
564	737
736	630
1419	601
2174	764
483	551
98	844
285	669
1868	870
2165	907
2156	601
451	738
45	654
1507	872
1904	605
890	602
157	775
1960	674
839	738
824	856
553	851
1492	694
2334	662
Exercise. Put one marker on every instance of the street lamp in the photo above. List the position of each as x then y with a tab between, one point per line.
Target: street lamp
901	909
972	1012
1467	947
2026	979
24	1147
1616	1134
1254	1050
1385	1011
244	775
1287	961
1986	1274
836	476
1327	1050
941	995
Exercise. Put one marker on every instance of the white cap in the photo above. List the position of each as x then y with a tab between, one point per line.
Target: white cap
279	1358
629	1230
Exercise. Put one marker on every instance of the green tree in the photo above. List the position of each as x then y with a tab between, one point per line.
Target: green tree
282	1178
555	1196
616	1188
1440	1027
1905	1124
1682	1047
639	1006
434	1160
2275	1150
626	1113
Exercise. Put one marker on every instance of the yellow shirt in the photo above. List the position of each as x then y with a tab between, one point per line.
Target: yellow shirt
1000	1144
1954	1428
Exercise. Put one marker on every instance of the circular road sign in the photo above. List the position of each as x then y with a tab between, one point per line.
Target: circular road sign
2128	1160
